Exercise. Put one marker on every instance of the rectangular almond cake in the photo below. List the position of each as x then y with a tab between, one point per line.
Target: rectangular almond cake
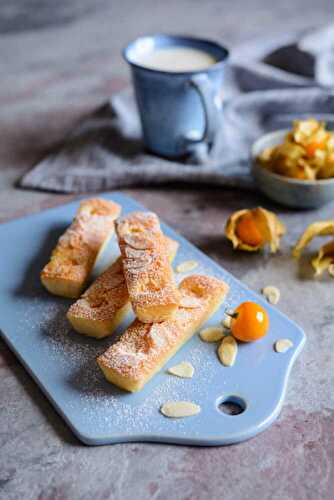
104	305
144	348
73	258
147	269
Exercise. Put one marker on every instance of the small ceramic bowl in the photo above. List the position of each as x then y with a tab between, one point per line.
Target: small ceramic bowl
284	190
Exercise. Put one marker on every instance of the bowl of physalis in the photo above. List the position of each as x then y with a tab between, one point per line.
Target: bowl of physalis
296	167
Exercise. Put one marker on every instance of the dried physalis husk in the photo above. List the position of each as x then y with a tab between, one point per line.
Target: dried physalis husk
325	259
285	160
179	409
304	130
253	229
325	255
321	228
212	334
326	171
306	153
331	270
182	370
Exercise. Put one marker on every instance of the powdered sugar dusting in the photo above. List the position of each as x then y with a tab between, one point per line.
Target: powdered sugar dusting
102	405
147	269
68	362
71	359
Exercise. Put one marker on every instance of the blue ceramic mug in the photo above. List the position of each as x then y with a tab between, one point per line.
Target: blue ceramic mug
180	111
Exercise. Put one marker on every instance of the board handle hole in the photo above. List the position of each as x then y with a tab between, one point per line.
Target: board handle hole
232	405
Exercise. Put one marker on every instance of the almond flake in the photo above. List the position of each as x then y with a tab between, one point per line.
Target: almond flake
137	242
179	409
133	253
227	322
283	345
142	263
212	334
227	351
186	266
272	294
190	302
183	370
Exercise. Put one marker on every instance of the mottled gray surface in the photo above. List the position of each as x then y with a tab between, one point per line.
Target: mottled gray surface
58	60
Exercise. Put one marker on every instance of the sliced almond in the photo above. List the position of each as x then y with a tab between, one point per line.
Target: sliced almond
190	302
138	263
183	370
272	294
283	345
179	409
134	253
137	242
212	334
227	351
229	339
186	266
227	322
331	270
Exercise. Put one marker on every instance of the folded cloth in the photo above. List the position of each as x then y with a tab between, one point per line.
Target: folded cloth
301	59
319	43
105	151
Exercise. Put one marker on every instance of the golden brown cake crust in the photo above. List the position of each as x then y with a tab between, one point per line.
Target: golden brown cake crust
144	348
105	295
74	255
147	269
94	313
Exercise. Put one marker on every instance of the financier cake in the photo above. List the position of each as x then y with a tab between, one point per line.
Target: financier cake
73	258
104	305
147	269
144	348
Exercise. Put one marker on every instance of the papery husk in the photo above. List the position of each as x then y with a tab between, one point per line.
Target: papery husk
324	258
326	171
305	131
271	228
320	228
306	153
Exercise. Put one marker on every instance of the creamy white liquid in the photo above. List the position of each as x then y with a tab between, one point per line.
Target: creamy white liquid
176	59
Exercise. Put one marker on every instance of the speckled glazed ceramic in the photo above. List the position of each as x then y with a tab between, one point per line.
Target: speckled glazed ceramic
180	111
63	363
290	192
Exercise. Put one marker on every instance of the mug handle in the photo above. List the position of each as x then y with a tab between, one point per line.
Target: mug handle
200	147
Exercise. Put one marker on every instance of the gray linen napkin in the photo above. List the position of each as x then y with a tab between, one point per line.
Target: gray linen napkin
105	150
301	59
320	44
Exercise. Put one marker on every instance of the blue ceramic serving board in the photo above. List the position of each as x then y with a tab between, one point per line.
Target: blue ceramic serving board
63	364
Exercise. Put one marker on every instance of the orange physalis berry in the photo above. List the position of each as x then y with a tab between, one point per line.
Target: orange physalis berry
313	146
248	231
249	322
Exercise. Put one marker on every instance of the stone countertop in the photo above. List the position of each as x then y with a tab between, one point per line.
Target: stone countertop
59	60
